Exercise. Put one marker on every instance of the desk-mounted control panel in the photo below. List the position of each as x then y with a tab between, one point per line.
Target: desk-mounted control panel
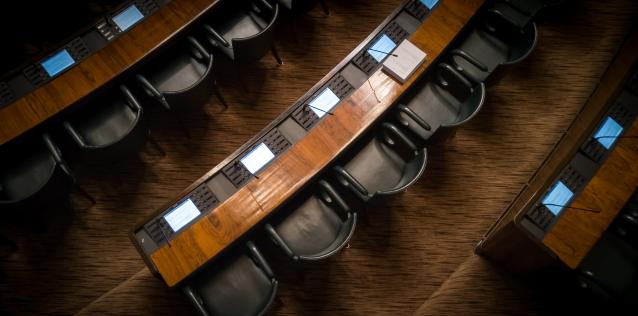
556	200
420	8
24	80
161	230
126	18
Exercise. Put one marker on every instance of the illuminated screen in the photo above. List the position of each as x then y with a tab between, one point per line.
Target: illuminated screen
128	17
557	197
430	3
257	158
182	214
382	47
57	63
324	102
608	132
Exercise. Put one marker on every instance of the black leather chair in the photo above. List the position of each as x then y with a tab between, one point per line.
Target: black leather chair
36	177
241	284
610	270
626	223
304	5
507	37
181	77
317	228
388	164
110	128
445	102
247	33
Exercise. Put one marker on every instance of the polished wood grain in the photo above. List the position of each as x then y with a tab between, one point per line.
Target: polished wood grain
202	241
100	68
576	232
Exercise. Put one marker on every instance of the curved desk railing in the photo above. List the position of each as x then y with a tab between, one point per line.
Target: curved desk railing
229	200
96	70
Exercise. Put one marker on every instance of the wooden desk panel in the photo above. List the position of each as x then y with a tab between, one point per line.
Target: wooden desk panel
576	232
100	68
202	241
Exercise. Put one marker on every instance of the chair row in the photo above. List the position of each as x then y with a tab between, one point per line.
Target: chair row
319	221
113	125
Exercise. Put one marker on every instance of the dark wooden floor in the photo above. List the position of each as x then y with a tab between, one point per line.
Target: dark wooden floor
82	260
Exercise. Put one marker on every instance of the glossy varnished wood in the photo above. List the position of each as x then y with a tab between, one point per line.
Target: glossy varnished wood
100	68
576	232
202	241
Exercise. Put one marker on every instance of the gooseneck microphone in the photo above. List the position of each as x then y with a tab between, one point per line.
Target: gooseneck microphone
382	52
318	109
573	208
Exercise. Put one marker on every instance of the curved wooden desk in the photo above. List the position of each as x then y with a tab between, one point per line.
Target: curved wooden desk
195	245
100	68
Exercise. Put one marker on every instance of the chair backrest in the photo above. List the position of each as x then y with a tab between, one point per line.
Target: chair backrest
116	129
239	284
199	93
471	96
35	180
253	48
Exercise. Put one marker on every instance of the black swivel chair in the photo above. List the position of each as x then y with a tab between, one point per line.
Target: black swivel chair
304	5
247	33
507	37
241	284
388	164
182	77
111	128
35	178
317	228
444	103
532	7
610	270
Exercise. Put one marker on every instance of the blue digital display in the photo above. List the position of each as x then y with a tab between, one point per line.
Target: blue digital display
57	63
128	17
381	48
608	132
430	3
182	214
559	196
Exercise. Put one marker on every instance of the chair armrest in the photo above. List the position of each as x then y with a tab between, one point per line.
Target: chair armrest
392	129
276	238
74	133
215	35
197	47
498	13
196	300
152	91
265	4
415	117
351	181
470	59
330	191
132	101
259	258
56	153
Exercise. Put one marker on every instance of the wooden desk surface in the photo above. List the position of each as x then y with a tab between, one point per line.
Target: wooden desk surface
573	236
99	68
206	238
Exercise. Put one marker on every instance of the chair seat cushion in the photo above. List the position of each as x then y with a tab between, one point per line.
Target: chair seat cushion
236	288
312	228
27	176
435	106
377	167
179	72
106	124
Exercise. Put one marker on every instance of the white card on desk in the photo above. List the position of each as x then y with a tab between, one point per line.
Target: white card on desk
408	58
